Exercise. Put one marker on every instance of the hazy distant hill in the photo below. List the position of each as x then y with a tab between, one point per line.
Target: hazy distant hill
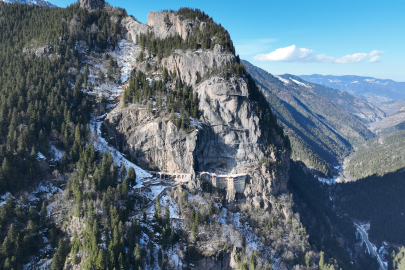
362	109
321	132
372	89
392	123
391	107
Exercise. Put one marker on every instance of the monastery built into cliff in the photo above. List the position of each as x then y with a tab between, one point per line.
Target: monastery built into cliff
229	181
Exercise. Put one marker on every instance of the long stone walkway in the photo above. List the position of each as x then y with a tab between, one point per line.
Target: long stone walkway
178	177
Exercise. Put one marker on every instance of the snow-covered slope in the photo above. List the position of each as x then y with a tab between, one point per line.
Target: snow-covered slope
31	2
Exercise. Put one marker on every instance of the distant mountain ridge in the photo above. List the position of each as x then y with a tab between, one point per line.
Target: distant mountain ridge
365	111
322	133
372	89
391	124
31	2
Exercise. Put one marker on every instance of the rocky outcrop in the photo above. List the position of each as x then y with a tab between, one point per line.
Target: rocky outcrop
153	142
219	262
230	139
187	64
91	5
162	24
133	28
39	50
167	24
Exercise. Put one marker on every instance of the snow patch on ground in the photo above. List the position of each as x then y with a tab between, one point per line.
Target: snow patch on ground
284	81
56	154
125	54
173	207
363	229
300	83
4	198
328	181
101	144
44	190
40	156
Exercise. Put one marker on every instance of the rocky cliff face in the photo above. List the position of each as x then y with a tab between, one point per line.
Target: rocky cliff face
162	24
187	64
153	142
166	24
229	138
91	5
133	28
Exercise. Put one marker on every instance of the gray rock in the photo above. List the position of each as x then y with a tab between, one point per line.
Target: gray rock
133	28
229	139
153	142
91	5
188	63
166	24
38	50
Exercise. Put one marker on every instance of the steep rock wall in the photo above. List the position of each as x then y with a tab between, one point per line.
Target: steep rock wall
229	140
133	28
188	63
162	24
153	142
166	24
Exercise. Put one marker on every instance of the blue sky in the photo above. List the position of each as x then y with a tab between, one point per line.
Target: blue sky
329	37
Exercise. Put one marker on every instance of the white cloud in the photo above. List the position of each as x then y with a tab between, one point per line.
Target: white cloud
357	57
303	55
374	59
375	56
293	54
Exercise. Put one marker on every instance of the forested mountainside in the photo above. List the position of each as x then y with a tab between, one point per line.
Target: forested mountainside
377	200
382	154
74	201
371	89
150	146
378	156
321	132
365	111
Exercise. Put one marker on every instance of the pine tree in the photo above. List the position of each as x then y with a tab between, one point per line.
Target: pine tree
131	177
44	213
158	208
123	172
160	257
167	212
307	259
59	257
137	256
211	208
321	260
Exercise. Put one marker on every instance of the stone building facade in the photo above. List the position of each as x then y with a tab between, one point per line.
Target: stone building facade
234	182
